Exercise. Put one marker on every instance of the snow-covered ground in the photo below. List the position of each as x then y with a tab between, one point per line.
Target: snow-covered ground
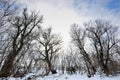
77	77
70	77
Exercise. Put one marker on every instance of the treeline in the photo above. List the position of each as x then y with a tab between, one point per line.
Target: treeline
26	45
104	44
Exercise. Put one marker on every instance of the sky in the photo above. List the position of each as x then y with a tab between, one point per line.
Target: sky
61	14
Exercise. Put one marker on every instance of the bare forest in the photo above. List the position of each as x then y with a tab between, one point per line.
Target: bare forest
28	47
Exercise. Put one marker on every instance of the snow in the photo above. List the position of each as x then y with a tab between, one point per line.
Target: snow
69	77
77	77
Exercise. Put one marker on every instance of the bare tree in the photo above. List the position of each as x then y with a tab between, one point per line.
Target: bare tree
49	46
78	36
62	62
20	32
103	37
7	9
70	57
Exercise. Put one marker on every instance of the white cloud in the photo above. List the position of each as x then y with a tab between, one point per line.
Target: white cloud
60	14
98	9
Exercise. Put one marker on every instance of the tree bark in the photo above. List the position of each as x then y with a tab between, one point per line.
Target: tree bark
8	65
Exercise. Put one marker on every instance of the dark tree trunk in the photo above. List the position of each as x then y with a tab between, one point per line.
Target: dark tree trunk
49	67
106	70
8	65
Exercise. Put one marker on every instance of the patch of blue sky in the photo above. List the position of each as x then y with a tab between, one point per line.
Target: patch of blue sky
77	2
113	4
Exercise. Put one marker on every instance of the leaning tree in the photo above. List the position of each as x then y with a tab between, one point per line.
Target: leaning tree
21	28
78	36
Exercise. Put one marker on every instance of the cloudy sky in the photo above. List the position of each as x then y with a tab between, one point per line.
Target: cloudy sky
60	14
